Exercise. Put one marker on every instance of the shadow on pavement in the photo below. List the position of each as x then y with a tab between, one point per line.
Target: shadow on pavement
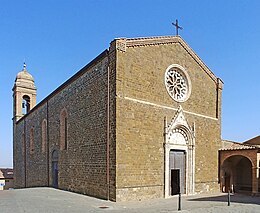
235	198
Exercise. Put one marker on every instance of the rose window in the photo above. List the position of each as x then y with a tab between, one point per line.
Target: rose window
177	84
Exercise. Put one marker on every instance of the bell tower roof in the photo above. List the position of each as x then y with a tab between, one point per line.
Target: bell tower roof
24	79
24	94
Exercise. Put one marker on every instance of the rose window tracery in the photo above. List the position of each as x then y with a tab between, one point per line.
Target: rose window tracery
177	84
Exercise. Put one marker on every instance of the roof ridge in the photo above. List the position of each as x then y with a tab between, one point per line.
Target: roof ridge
147	38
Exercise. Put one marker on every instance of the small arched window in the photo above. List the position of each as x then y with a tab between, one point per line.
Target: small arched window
23	144
31	140
44	135
64	130
26	105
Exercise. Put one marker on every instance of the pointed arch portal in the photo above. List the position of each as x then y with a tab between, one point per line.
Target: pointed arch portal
179	156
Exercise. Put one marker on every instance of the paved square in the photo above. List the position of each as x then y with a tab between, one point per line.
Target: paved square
49	200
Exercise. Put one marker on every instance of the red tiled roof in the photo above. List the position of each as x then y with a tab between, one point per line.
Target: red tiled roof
239	146
6	173
253	141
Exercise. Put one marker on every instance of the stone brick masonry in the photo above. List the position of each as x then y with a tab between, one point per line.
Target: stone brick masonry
116	107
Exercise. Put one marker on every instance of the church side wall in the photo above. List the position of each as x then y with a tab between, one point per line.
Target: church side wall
30	166
82	167
112	123
18	153
143	102
36	160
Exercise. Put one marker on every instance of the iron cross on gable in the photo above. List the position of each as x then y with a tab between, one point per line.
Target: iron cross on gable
177	27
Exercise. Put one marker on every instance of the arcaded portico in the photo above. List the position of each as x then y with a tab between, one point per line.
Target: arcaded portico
239	168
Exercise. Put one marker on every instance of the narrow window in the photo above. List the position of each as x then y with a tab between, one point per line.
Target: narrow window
64	130
31	141
44	135
23	144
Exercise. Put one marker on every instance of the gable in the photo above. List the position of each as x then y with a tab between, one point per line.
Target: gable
123	43
141	69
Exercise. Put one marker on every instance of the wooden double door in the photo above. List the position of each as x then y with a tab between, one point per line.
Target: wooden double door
177	172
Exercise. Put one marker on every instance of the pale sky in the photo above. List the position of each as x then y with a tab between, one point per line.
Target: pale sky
57	38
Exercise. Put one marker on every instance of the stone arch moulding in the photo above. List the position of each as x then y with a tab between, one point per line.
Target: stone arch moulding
179	136
236	154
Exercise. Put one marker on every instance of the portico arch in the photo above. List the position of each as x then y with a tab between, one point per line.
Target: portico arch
237	174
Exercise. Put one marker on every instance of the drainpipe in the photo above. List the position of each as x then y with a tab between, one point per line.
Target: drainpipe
47	148
217	102
108	128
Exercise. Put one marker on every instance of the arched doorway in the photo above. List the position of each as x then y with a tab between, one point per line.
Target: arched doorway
55	169
237	174
179	156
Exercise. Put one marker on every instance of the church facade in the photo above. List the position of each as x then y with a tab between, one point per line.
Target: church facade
140	121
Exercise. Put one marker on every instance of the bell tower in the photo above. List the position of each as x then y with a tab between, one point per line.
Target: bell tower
24	94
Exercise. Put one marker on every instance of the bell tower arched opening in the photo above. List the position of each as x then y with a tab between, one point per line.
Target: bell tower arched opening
26	104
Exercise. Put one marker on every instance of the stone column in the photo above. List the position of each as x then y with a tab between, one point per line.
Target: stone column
254	180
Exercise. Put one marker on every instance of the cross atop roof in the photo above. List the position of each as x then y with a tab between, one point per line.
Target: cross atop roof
177	27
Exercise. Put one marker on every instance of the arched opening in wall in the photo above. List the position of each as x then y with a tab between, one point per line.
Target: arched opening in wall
64	130
26	104
44	135
179	162
237	174
55	169
31	140
179	158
